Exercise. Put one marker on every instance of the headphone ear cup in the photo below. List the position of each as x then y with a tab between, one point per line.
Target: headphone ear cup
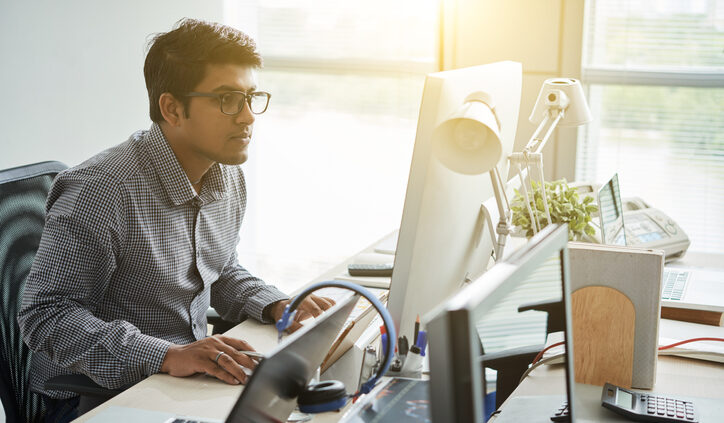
327	395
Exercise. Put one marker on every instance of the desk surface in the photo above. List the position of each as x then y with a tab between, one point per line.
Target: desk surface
208	397
675	376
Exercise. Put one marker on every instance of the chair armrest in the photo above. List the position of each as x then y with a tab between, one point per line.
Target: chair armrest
220	325
513	357
555	310
81	384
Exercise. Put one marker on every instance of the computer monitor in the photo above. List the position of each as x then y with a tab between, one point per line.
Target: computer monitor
488	313
443	240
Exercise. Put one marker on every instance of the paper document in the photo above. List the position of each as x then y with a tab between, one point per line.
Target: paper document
389	244
671	331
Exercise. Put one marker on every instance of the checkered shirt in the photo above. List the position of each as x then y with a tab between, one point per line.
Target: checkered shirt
129	262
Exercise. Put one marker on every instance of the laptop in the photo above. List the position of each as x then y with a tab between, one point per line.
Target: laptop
271	393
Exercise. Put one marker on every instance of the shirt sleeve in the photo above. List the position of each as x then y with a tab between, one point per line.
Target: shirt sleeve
237	294
81	243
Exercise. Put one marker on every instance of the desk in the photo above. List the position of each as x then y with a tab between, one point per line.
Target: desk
675	376
207	397
203	396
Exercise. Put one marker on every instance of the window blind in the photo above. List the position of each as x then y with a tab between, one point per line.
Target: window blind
330	158
654	72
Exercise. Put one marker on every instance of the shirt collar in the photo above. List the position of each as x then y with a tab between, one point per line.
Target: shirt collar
174	179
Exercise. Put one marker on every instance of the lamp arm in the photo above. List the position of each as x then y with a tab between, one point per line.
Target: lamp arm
524	191
503	228
532	152
536	144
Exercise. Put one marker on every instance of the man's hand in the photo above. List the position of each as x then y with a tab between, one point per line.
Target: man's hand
203	357
311	306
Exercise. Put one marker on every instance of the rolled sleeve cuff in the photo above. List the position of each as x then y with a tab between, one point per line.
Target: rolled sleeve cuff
150	353
265	297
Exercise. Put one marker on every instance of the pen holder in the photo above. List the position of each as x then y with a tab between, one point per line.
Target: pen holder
412	367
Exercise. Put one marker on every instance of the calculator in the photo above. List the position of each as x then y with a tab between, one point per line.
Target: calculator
645	407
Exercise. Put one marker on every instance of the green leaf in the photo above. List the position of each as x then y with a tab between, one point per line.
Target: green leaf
564	204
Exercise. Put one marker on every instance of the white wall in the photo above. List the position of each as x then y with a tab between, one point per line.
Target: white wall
71	73
544	35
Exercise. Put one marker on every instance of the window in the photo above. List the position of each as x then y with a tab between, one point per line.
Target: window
329	160
655	78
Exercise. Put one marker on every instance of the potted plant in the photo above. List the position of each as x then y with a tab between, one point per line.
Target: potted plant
564	205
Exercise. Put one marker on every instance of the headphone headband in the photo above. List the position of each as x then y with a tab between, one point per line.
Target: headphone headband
286	320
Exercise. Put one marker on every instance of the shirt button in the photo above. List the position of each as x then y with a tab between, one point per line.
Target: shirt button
194	325
196	202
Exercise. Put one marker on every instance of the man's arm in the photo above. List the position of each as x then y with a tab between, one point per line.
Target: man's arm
237	294
81	242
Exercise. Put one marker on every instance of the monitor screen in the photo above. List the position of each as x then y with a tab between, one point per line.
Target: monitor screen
611	213
444	241
498	315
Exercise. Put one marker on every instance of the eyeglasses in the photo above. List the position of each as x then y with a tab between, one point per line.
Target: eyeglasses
232	102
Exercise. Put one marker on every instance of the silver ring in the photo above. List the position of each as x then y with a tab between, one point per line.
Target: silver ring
216	360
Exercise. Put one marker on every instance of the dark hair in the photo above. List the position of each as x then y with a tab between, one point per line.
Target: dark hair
176	60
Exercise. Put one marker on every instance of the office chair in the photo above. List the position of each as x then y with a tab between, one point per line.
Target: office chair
512	363
23	193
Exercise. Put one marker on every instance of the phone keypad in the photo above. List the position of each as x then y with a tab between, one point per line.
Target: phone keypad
669	407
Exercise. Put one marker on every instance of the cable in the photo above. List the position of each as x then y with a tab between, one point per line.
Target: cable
535	364
540	354
540	363
676	344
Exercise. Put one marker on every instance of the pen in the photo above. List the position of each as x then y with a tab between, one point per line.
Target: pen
422	342
417	329
403	345
337	343
383	337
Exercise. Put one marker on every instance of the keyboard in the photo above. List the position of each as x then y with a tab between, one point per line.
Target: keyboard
674	284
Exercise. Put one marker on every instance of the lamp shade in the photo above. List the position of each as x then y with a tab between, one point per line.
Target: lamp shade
566	94
468	141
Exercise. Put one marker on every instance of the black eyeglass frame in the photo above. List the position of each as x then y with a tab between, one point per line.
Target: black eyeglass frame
246	99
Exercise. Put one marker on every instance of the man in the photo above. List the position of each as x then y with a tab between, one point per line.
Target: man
140	239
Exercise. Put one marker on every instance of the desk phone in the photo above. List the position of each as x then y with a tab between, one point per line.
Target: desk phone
643	225
644	407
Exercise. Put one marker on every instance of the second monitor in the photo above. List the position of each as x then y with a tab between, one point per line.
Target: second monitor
444	240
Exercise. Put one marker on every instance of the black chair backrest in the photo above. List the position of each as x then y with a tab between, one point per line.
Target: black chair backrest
23	193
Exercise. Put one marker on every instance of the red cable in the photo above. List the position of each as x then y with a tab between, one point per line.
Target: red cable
676	344
540	354
689	340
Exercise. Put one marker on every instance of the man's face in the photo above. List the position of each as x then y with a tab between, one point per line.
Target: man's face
208	133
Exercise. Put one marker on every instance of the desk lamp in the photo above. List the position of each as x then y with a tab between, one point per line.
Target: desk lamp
468	142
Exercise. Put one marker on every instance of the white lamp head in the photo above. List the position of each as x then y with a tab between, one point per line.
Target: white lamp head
468	141
565	94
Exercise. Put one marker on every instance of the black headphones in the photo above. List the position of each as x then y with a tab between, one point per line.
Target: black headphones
331	395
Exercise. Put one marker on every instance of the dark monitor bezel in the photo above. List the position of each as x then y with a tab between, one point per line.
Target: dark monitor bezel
456	388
